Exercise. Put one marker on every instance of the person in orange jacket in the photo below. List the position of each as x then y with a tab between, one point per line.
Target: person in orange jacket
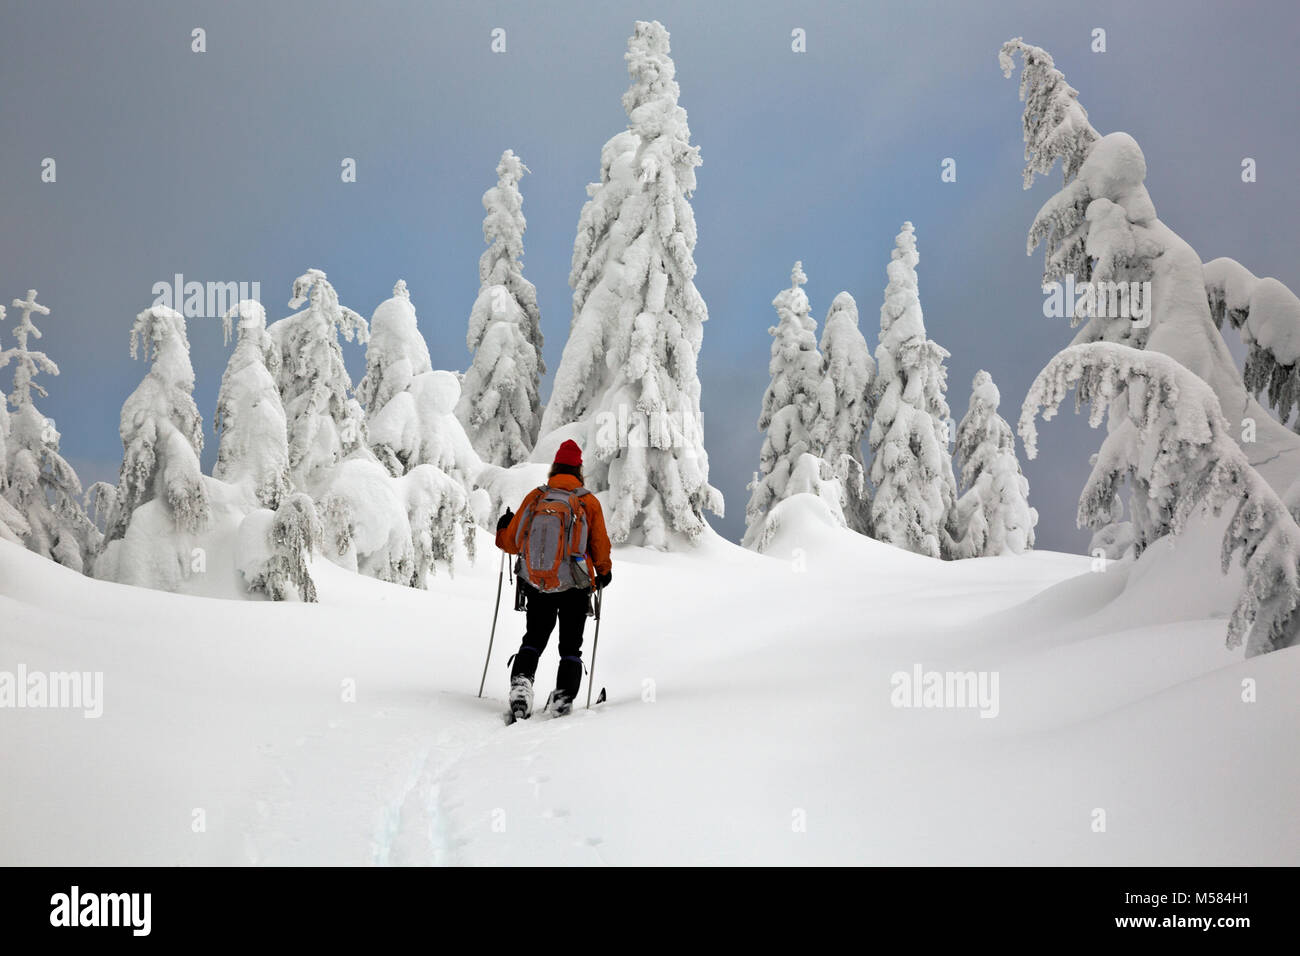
568	606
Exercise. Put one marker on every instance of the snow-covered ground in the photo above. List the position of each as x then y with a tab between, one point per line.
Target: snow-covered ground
749	719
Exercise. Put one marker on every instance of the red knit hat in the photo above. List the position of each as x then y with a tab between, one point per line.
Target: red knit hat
569	454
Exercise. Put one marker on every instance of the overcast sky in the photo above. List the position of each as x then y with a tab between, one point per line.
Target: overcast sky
225	166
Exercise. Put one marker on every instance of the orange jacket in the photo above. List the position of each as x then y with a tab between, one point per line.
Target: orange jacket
597	537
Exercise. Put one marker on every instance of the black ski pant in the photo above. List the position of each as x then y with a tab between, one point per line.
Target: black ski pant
570	608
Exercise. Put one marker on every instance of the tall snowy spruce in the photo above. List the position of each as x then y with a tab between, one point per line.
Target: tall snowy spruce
993	513
161	499
911	468
628	372
41	490
499	403
254	446
847	405
790	462
325	423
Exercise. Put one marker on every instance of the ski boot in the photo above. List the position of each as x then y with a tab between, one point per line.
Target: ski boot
521	697
559	703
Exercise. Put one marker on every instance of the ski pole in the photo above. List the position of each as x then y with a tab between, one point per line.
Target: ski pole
595	644
495	611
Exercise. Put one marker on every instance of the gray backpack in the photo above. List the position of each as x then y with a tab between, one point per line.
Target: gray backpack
552	542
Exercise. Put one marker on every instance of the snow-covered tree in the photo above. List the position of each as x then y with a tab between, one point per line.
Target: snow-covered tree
1055	123
365	522
629	368
993	513
1102	226
499	403
580	379
41	490
273	548
438	510
325	423
13	526
794	430
396	354
414	431
911	469
254	448
161	499
1169	439
847	405
1267	314
411	407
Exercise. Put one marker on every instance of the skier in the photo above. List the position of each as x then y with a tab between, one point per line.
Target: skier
559	536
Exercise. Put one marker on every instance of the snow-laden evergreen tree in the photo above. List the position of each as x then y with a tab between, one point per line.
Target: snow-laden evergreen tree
365	522
790	462
580	379
847	405
440	512
1055	123
414	431
629	368
1102	227
411	406
1169	439
254	447
161	500
395	353
273	549
911	469
1267	314
37	483
499	403
13	526
325	424
993	513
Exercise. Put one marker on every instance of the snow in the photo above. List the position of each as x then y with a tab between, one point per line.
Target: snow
715	738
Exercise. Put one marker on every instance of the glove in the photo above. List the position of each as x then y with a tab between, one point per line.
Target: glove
602	580
504	521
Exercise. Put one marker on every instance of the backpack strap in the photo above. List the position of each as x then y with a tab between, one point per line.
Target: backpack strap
525	513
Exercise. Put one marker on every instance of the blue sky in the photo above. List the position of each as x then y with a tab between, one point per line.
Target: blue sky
224	166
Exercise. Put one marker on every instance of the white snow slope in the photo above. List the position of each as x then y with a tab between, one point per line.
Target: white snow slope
749	719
